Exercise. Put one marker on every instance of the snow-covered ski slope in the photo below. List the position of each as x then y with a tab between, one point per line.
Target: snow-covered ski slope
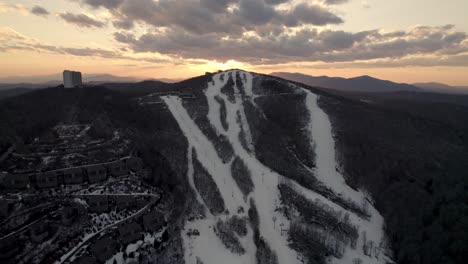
206	247
371	230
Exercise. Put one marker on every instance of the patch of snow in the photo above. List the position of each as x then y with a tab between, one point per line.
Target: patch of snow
81	201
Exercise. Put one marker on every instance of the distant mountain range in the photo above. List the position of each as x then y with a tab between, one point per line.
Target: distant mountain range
367	84
444	88
359	84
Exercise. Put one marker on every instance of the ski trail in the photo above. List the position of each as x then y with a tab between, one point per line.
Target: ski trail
206	246
371	231
213	91
247	86
322	139
207	155
214	88
265	191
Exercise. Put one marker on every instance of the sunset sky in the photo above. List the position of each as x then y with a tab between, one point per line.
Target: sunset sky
400	40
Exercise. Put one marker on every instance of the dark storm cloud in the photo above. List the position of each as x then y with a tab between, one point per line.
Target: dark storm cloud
39	11
81	20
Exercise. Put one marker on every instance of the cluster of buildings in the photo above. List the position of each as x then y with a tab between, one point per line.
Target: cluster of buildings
76	175
102	249
36	231
72	146
105	203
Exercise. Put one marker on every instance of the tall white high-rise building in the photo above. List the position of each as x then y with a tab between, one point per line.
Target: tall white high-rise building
72	79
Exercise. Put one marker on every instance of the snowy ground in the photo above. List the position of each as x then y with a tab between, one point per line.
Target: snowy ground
147	241
206	246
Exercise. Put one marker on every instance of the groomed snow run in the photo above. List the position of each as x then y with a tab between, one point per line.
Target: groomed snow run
372	229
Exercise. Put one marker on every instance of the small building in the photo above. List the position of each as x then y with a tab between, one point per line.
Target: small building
73	176
96	173
124	202
47	180
40	232
98	203
117	168
72	79
104	248
134	164
130	232
15	181
153	221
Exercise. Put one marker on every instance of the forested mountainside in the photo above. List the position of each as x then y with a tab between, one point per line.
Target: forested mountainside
257	169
